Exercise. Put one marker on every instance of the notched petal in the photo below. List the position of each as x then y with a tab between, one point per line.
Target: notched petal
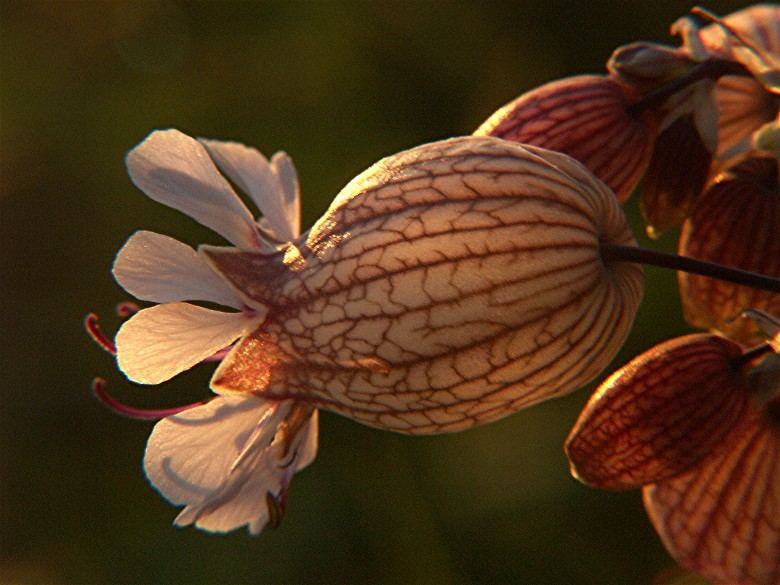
159	342
659	415
223	460
272	186
175	170
157	268
743	108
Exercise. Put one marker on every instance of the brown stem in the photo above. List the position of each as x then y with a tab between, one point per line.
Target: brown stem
618	253
752	354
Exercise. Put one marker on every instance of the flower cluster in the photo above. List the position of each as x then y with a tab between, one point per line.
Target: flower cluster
698	125
693	421
457	282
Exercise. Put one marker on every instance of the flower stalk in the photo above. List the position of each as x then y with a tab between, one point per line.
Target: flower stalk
619	253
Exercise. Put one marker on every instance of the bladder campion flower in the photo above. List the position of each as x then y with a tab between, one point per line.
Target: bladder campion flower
693	421
446	286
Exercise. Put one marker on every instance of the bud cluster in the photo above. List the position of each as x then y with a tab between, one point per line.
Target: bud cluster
693	421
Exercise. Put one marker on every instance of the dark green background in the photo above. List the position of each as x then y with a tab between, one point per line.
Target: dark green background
337	85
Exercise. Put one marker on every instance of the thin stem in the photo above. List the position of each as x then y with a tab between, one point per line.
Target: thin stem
752	354
710	69
618	253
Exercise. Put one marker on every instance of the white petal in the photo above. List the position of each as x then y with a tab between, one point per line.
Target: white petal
221	459
159	342
157	268
273	187
284	169
189	455
175	170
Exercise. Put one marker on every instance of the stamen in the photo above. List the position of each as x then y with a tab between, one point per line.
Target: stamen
275	511
219	355
127	309
276	506
752	354
93	328
99	390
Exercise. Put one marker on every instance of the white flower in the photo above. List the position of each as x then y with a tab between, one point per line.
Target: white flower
229	461
446	286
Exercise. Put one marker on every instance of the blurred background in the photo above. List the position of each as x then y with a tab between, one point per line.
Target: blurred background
337	85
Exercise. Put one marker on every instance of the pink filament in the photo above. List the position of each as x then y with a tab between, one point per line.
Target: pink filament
99	384
93	328
99	389
219	355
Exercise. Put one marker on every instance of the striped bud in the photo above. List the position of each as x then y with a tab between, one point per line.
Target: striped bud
659	415
648	65
736	222
720	518
587	117
447	286
687	420
677	173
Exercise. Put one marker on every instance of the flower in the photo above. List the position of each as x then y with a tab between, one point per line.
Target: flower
228	462
696	422
750	37
446	286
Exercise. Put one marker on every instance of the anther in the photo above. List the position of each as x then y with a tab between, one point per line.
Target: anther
276	506
275	511
93	328
127	309
99	390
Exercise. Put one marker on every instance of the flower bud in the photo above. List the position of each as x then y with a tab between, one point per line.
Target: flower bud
659	415
736	222
677	173
587	117
648	65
